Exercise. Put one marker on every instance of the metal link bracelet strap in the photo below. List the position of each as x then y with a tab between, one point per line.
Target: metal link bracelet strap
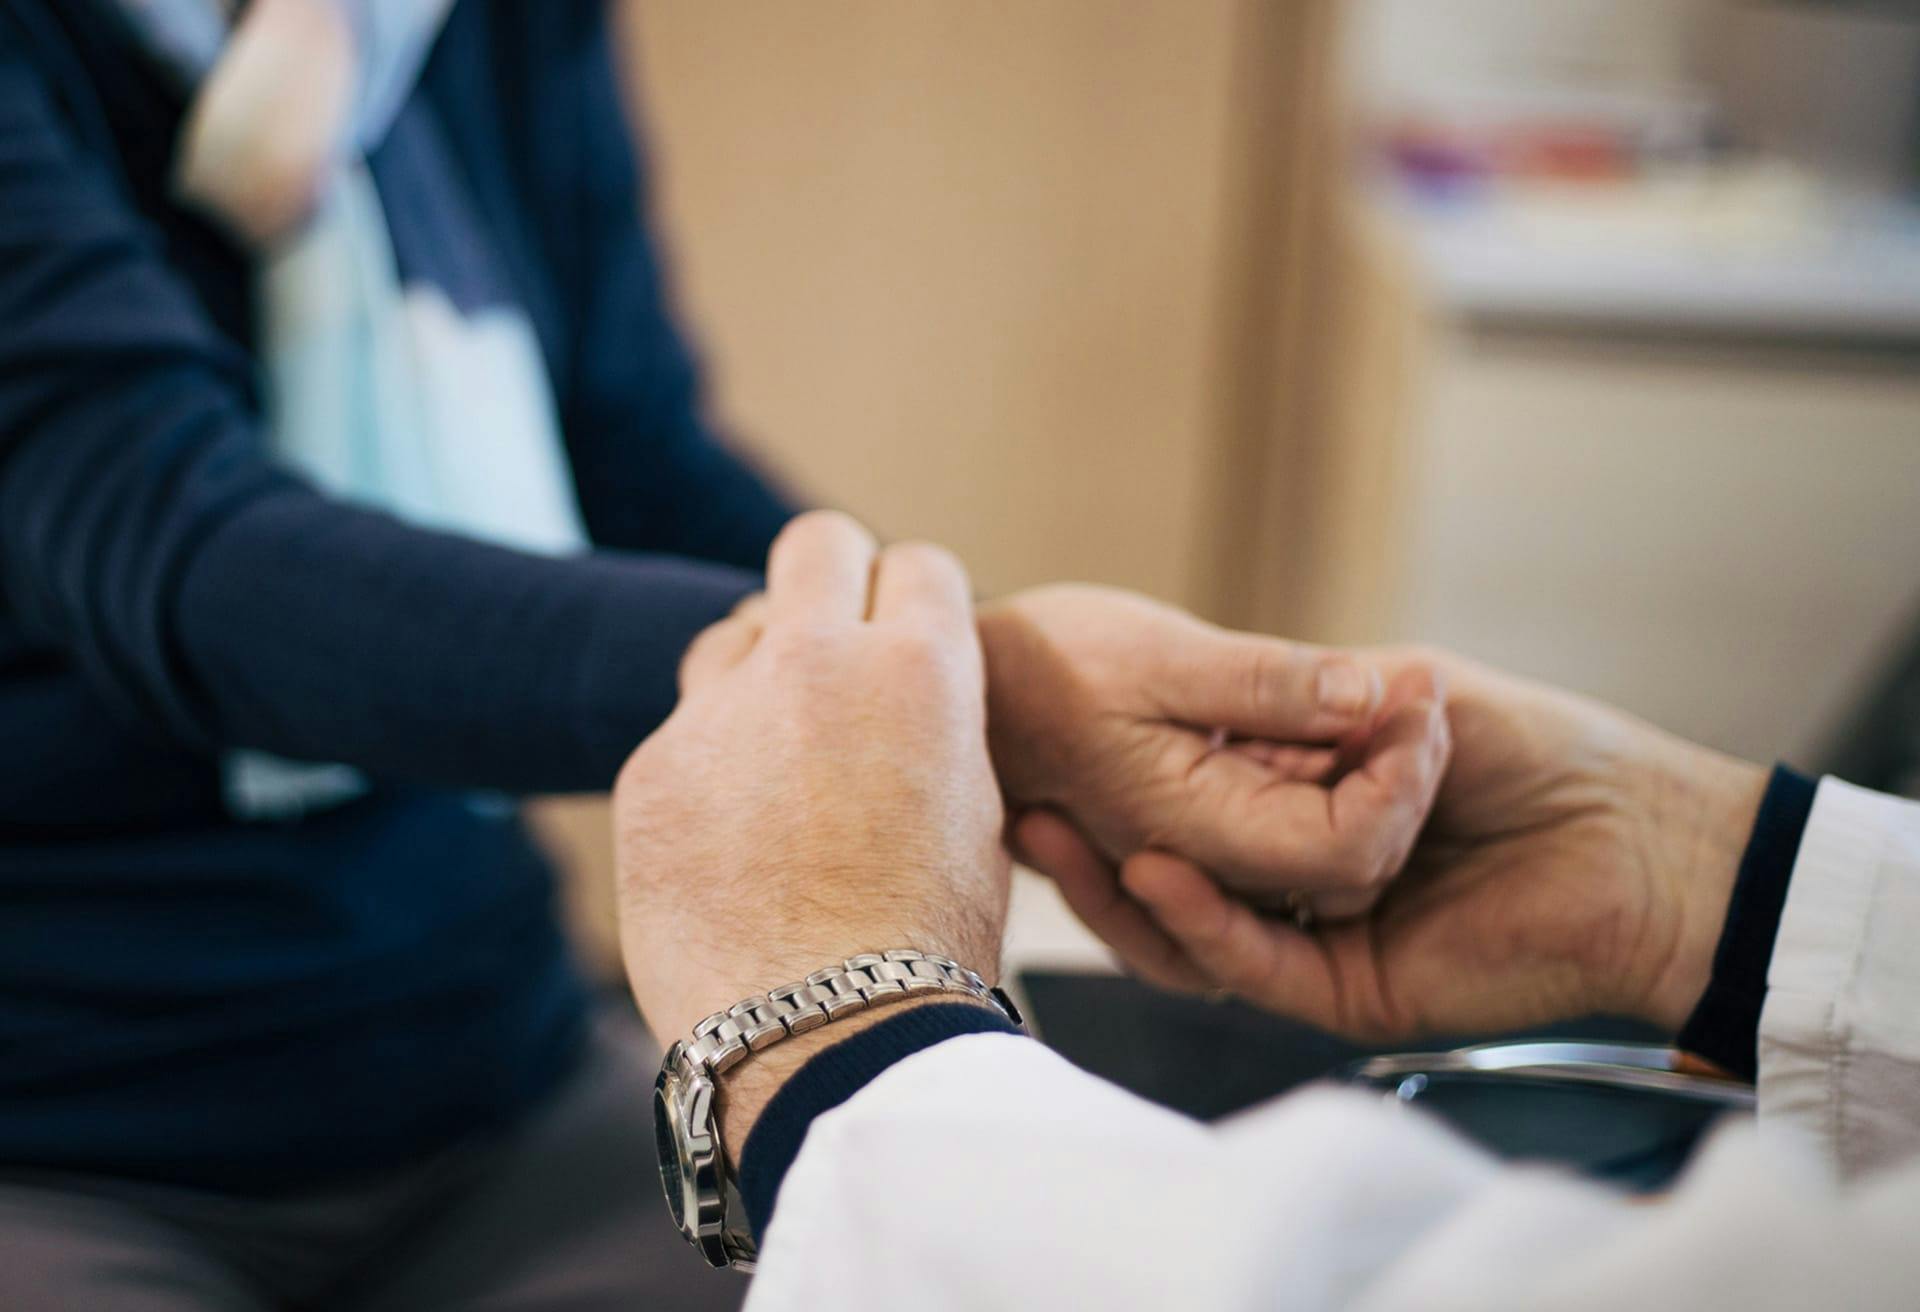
724	1039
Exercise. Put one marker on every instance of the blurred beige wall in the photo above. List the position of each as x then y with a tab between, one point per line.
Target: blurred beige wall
992	272
956	264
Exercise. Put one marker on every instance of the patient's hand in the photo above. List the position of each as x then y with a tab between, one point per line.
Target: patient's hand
822	790
1576	861
1104	706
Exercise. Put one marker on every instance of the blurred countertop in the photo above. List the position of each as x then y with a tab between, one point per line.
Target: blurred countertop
1757	251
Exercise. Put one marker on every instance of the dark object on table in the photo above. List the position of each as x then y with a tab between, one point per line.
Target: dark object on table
1618	1112
1151	1043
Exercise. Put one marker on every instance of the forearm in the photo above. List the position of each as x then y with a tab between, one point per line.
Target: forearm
678	490
227	605
322	633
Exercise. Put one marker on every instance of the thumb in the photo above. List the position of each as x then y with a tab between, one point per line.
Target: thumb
1260	687
718	649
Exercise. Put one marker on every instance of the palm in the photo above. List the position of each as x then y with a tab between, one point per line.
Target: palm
1526	891
1483	937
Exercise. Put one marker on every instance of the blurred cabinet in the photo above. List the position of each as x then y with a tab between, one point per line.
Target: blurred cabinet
1724	538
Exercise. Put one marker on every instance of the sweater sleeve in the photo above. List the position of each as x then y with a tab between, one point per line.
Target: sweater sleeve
1725	1025
653	474
221	602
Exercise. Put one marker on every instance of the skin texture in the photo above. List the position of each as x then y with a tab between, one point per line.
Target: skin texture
822	790
1576	860
1107	707
1113	709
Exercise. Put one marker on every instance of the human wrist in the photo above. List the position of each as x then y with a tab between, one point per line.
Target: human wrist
1698	816
746	1091
834	1075
1724	1027
721	986
1013	649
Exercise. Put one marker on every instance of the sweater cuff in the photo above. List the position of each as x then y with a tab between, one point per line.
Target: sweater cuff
833	1076
1725	1027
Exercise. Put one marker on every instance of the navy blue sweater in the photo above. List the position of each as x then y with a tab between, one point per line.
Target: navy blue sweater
187	997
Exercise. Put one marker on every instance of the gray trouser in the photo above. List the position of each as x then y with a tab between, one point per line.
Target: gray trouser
562	1215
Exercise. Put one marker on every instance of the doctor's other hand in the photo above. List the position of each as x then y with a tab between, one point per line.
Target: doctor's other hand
823	788
1148	728
1576	861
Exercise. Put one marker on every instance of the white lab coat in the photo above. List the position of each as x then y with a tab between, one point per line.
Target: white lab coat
987	1172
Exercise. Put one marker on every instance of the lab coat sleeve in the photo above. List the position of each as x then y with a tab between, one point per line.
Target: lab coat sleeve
988	1172
1840	1032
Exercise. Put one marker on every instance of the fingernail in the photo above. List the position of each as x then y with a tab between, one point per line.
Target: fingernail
1346	689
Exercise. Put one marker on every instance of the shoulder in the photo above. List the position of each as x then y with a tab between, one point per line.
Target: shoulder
67	69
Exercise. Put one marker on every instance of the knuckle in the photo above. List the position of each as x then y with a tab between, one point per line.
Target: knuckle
1430	657
831	523
1359	860
930	557
913	650
703	649
1213	933
797	646
1267	675
815	527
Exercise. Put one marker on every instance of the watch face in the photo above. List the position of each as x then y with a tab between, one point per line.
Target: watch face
691	1169
666	1133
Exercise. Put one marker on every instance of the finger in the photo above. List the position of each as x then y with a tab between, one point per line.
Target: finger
820	569
919	583
1265	687
716	650
1394	787
1270	964
1260	831
1051	845
1292	761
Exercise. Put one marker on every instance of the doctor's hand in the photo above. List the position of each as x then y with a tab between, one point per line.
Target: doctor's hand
1110	711
822	790
1576	861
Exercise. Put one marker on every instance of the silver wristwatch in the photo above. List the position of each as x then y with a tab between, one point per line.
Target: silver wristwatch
693	1166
